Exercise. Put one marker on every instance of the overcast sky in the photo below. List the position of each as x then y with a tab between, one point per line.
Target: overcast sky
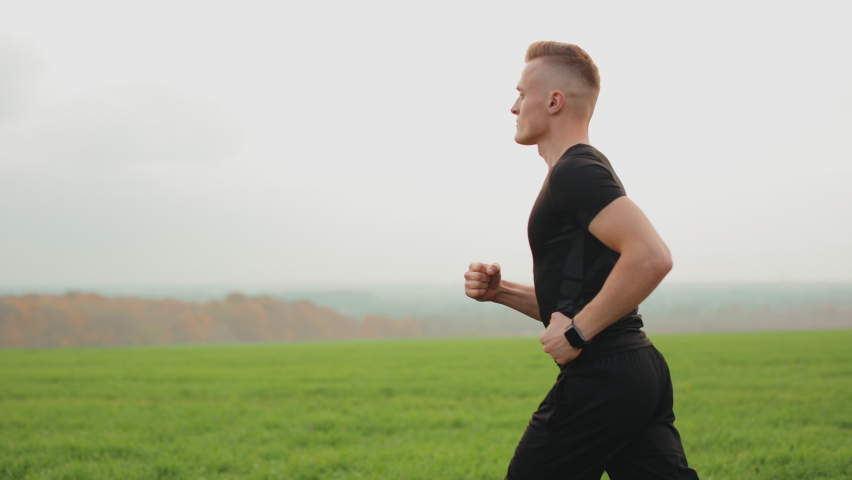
174	142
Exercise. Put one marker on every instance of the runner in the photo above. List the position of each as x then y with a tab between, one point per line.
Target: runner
596	257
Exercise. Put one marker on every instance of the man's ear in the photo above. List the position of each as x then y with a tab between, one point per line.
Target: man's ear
557	102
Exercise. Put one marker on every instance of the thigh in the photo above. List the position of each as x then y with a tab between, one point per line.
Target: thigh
547	450
595	408
656	452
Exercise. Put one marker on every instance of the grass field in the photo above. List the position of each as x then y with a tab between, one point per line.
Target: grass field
763	406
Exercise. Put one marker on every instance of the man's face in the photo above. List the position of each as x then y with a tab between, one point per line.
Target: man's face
531	105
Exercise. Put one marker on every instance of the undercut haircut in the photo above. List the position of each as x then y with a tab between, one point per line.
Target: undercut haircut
573	58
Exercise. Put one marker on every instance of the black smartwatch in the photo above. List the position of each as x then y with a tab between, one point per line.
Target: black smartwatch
575	338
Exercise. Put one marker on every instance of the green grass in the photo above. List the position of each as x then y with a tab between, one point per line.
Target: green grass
763	405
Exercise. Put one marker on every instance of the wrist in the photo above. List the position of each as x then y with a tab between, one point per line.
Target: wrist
503	292
581	322
576	338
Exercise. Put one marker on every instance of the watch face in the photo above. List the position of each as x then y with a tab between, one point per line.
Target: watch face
574	338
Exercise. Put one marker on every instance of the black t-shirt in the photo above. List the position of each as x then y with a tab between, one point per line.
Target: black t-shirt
570	264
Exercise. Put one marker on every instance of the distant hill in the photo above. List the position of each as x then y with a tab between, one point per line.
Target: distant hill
77	319
129	316
673	307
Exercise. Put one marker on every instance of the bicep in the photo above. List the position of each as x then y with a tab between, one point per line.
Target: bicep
623	227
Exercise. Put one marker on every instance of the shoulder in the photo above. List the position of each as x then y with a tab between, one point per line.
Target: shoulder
583	183
580	168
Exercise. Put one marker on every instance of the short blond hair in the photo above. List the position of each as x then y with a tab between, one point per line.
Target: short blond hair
571	57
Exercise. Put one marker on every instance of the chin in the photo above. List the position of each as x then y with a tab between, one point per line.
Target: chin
523	141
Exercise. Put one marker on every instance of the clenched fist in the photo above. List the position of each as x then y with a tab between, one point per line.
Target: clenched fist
554	341
482	281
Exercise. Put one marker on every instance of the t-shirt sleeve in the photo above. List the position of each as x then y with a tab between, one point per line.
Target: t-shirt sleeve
581	188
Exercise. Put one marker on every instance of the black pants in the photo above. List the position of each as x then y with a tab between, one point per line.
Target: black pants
613	414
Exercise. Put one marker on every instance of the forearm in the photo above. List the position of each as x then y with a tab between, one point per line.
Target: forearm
518	297
632	279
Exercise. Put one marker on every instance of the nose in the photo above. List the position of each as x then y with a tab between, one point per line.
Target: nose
515	109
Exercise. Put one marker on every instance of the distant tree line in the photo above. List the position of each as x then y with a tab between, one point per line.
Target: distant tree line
78	319
87	319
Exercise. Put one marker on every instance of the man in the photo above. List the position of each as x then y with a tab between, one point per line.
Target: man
596	257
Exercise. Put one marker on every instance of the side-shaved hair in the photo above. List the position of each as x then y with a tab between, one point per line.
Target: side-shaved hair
573	58
576	72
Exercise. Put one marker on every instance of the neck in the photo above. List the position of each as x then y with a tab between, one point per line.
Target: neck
553	146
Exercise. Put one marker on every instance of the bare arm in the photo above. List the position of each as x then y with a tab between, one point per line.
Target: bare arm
644	262
484	283
519	297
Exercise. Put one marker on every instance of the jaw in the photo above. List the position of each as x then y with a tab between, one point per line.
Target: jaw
522	139
531	129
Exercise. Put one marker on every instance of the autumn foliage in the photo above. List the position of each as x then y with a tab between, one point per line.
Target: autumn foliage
78	319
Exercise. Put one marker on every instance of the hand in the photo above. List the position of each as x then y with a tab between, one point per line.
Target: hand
482	281
554	340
